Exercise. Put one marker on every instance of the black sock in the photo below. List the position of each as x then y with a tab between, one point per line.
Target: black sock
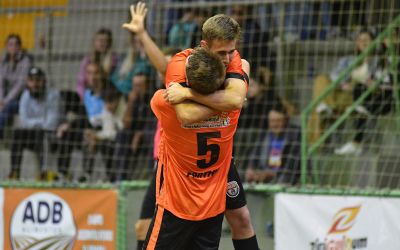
140	244
246	244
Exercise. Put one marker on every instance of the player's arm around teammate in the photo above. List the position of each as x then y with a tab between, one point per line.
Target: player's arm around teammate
189	112
229	99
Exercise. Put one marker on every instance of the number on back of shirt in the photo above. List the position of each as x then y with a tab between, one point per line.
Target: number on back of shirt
203	148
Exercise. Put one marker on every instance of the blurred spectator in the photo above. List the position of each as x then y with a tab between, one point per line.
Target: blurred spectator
172	14
182	31
134	62
259	103
103	140
40	110
277	154
379	13
340	98
378	102
102	54
130	141
14	66
298	18
92	99
167	53
253	122
187	33
199	16
261	95
70	134
254	45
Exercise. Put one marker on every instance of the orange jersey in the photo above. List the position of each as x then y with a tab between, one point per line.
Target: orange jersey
176	73
196	162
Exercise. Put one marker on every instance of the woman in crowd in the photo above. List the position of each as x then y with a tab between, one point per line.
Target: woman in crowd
337	100
101	54
378	102
14	66
134	62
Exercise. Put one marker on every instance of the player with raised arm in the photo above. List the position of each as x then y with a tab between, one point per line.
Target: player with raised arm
236	212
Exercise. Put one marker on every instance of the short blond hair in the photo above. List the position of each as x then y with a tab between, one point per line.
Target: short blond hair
221	27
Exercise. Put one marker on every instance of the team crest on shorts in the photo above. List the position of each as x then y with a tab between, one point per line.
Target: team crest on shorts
233	189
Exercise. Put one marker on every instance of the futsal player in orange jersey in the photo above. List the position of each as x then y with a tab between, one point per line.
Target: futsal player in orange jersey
195	164
231	98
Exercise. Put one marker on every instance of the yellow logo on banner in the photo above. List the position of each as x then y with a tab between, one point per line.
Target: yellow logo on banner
342	222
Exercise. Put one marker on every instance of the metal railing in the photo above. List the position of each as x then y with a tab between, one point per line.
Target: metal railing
308	150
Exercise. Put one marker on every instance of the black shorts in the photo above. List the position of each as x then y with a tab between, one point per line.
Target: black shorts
235	197
167	231
149	201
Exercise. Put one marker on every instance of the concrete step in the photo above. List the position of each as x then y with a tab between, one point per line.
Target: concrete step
364	171
347	171
30	166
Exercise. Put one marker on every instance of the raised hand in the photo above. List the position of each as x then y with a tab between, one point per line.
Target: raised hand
137	23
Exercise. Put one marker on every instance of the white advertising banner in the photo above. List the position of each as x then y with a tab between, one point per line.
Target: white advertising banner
317	222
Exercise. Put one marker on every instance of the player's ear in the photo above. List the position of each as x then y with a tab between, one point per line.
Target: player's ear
203	43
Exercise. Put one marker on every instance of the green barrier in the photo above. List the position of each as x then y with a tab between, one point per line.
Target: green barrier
125	186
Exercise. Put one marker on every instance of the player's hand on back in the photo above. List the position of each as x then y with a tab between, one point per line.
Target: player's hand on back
175	93
137	23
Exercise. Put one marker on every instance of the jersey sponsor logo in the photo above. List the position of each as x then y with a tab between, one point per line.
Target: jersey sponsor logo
202	175
233	189
217	121
225	119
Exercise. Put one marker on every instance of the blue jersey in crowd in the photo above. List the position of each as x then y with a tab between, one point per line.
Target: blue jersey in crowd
94	107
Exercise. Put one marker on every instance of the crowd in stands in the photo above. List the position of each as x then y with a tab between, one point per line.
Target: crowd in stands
109	111
351	87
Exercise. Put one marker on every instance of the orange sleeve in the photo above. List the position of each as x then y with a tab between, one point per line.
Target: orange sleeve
176	68
156	103
162	109
235	69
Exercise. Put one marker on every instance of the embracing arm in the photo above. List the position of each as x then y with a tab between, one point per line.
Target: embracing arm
231	98
189	112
